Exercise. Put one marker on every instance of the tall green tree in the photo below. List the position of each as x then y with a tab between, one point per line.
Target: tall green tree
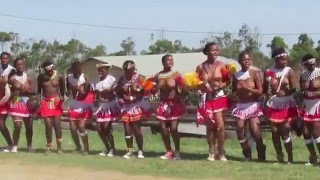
5	38
302	47
277	42
127	46
99	50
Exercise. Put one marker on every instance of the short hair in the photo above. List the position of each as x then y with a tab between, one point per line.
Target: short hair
207	46
17	60
242	54
126	64
277	52
165	57
307	57
5	53
75	64
46	63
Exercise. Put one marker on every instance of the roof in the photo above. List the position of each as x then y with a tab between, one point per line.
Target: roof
150	64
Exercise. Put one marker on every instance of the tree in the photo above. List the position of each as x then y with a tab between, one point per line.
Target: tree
167	46
317	52
179	48
99	50
127	46
229	46
249	40
5	38
162	46
277	42
302	47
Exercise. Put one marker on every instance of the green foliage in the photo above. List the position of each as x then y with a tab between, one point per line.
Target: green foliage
302	47
5	38
127	46
166	46
277	42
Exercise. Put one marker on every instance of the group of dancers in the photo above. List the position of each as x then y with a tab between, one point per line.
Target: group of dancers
127	99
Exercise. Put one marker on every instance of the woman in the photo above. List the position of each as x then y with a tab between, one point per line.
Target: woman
19	107
81	107
171	106
135	106
310	85
5	70
109	110
51	88
247	85
213	101
280	83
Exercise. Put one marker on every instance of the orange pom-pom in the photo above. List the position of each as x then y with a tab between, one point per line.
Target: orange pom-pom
148	85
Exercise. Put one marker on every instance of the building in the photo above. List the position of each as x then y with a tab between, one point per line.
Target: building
147	65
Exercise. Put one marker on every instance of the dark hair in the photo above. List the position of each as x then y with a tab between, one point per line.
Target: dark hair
75	64
278	51
242	54
17	60
307	57
46	63
126	64
5	53
207	46
165	57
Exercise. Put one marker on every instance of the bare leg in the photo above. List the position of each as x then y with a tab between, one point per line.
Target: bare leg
74	134
221	133
165	135
5	131
316	133
16	131
138	134
48	124
175	135
211	137
307	134
109	135
276	140
285	135
58	131
246	151
128	135
28	123
84	135
101	133
256	132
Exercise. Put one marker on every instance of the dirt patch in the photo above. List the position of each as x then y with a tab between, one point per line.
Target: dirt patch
14	170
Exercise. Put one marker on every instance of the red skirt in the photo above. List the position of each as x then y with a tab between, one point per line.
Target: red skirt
50	107
132	112
108	111
19	107
4	108
80	111
247	110
281	109
311	110
208	108
170	110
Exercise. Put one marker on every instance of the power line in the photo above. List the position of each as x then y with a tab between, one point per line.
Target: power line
145	29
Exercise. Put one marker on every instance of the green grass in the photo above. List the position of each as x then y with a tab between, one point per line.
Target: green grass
193	165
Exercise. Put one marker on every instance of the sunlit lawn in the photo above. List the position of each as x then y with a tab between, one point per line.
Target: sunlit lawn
194	164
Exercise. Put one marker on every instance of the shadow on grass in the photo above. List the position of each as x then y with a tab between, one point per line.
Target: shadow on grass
153	154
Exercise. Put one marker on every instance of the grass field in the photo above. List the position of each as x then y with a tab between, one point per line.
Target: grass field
193	165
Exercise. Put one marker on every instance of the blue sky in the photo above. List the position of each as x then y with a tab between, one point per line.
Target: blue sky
271	16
